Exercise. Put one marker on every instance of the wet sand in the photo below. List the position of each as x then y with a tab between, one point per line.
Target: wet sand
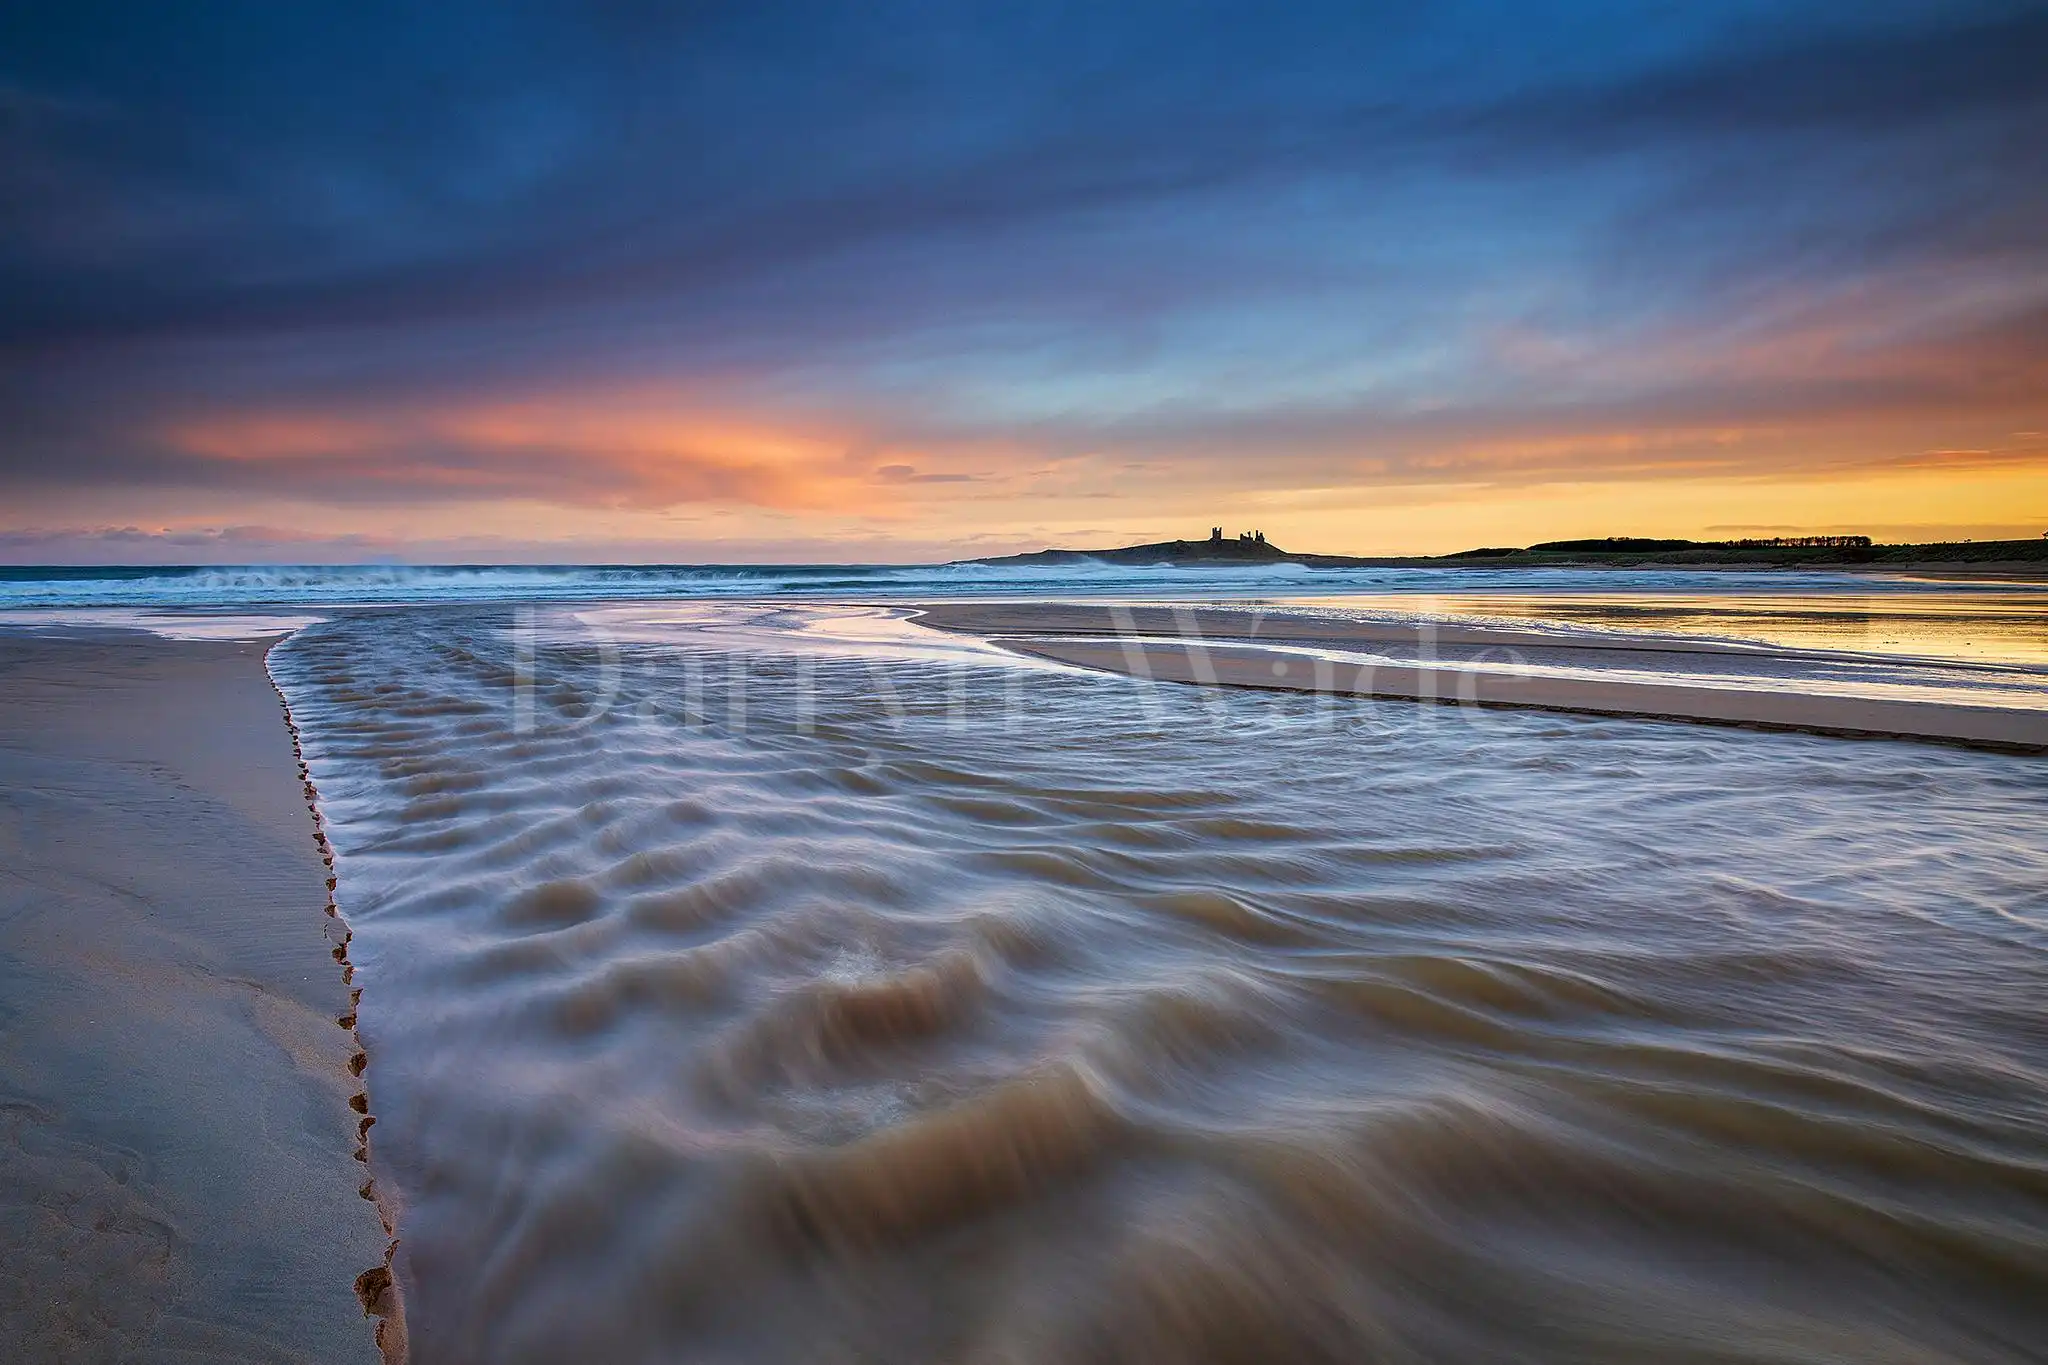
177	1172
1268	650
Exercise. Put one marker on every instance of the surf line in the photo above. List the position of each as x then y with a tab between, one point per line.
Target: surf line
376	1288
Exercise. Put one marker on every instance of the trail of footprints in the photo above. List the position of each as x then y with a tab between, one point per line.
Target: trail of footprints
375	1287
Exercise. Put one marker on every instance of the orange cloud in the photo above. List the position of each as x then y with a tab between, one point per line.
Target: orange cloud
587	451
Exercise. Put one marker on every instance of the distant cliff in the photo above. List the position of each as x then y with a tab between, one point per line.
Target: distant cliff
1229	550
2012	558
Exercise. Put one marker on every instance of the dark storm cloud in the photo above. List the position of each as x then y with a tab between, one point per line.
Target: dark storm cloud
256	205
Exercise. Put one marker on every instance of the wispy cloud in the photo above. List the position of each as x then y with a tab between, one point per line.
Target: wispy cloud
956	268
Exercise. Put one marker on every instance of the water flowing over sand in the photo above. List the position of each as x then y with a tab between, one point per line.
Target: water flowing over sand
769	986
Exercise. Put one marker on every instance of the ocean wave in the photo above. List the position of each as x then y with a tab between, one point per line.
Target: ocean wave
314	585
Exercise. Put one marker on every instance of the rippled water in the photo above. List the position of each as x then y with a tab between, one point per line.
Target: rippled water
841	994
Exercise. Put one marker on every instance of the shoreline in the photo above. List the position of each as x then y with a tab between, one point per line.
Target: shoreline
175	1172
377	1288
1213	648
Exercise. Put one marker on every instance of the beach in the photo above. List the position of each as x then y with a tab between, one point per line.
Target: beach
805	978
177	1178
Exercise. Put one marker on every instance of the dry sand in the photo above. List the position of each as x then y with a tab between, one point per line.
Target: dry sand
177	1179
1236	648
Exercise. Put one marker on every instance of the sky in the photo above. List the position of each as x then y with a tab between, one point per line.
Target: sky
629	281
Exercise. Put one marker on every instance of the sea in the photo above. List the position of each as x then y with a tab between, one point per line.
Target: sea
750	974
